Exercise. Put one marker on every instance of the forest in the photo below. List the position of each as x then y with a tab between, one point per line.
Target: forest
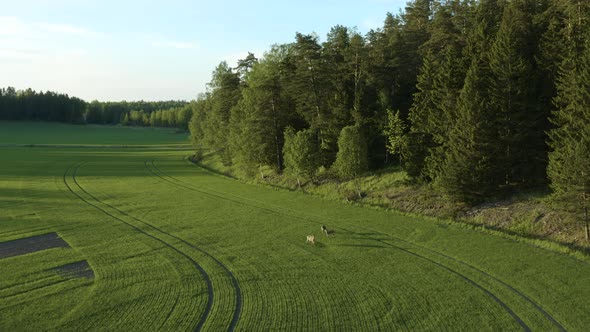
476	99
30	105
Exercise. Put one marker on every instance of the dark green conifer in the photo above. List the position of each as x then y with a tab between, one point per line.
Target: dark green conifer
469	172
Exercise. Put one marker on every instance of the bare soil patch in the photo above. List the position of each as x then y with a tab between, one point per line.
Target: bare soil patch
79	269
31	244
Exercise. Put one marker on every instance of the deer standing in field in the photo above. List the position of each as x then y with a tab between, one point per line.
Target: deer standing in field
327	231
310	239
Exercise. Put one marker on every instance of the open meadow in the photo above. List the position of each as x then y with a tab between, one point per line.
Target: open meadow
125	238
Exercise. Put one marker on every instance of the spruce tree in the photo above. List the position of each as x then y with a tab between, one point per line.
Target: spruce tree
426	99
520	133
414	33
569	160
441	78
469	172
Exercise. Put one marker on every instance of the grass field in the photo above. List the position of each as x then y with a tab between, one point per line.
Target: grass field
65	134
172	246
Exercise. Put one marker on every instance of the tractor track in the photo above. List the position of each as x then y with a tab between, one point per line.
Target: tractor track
508	286
210	294
535	305
460	275
234	281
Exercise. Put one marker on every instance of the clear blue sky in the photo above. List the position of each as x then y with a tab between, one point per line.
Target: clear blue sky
155	50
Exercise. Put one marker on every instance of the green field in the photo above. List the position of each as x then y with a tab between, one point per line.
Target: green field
65	134
175	247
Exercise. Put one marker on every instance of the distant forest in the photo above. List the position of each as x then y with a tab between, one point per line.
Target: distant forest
20	105
479	99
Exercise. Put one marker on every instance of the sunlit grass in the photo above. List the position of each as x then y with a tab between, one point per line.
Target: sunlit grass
143	219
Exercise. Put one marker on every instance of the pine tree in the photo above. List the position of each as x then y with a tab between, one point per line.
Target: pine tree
384	63
339	87
258	121
225	93
356	59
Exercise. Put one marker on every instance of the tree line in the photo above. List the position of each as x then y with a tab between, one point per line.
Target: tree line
476	98
174	114
20	105
27	104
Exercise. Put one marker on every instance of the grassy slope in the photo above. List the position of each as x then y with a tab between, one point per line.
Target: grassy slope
536	216
381	271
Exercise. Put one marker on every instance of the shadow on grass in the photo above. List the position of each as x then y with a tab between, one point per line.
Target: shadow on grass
318	244
572	246
368	234
365	238
361	246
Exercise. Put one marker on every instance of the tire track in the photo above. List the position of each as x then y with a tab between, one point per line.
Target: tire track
502	304
210	294
37	292
207	280
35	288
460	275
234	281
510	287
537	306
14	289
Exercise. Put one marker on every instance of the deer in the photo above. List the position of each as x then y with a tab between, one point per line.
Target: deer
327	231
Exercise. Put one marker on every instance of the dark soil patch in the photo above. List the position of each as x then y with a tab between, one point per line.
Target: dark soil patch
31	244
79	269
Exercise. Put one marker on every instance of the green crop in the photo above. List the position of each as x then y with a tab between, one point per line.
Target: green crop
175	247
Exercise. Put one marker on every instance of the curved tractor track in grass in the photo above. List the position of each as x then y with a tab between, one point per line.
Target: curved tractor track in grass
537	306
210	294
234	281
289	213
305	293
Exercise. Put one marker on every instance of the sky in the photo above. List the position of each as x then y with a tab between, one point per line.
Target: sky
155	50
